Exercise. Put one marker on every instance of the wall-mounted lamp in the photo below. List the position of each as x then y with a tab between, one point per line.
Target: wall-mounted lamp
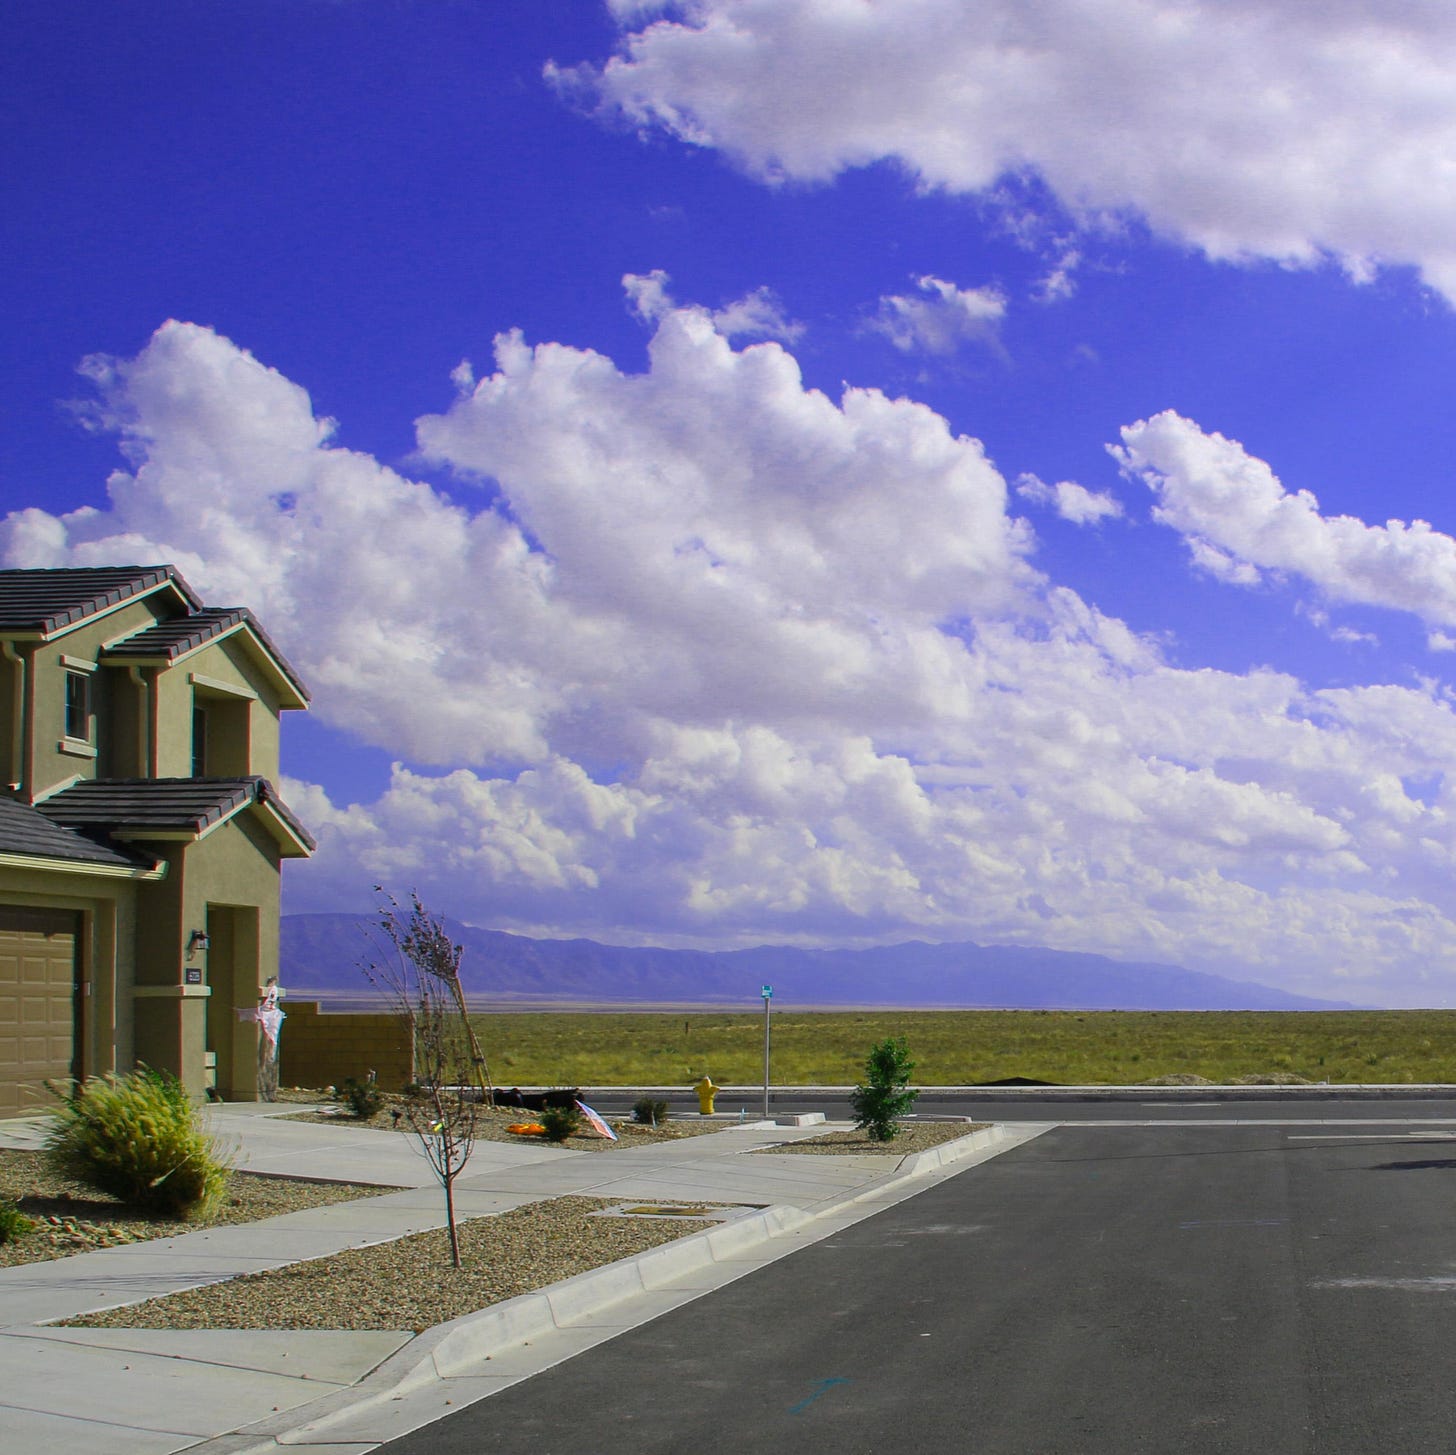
199	941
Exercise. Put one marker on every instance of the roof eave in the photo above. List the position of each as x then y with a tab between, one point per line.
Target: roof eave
146	834
293	695
89	867
290	836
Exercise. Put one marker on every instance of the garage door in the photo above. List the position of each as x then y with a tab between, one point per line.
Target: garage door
39	1005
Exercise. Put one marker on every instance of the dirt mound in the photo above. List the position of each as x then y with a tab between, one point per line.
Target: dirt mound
1274	1078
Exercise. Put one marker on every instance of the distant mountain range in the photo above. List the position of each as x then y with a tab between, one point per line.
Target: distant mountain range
322	953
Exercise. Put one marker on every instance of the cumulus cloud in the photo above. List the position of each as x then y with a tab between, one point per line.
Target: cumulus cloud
758	314
941	318
709	536
1070	500
1240	521
718	659
1298	835
1250	128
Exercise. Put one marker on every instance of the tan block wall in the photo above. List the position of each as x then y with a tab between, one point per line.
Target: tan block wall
322	1050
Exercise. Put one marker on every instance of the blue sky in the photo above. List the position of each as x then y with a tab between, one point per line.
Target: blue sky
814	471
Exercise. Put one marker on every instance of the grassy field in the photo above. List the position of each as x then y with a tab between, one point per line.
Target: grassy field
962	1047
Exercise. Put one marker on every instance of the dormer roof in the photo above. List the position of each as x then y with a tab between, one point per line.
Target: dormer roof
169	641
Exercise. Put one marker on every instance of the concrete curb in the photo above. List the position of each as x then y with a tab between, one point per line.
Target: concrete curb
917	1164
451	1349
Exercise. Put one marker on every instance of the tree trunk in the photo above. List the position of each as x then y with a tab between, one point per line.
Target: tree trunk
449	1181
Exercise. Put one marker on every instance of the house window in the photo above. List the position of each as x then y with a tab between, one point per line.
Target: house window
78	706
221	722
199	742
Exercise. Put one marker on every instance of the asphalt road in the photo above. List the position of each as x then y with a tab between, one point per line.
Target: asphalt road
1184	1289
1146	1106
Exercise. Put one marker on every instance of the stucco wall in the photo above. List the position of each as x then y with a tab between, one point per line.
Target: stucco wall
235	867
223	665
53	760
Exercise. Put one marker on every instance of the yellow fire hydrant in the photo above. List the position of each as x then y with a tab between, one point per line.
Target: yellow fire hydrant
706	1092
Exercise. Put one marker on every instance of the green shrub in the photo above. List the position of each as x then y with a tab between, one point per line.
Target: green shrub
649	1111
363	1098
560	1122
883	1095
14	1224
140	1139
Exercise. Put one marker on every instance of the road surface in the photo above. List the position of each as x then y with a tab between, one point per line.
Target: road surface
1280	1289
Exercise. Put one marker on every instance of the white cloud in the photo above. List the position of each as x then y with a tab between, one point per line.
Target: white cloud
648	295
1070	500
1060	281
1219	564
720	659
758	314
1349	635
1251	128
941	318
1239	520
717	539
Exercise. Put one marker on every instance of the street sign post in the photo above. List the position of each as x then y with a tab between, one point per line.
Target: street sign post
767	993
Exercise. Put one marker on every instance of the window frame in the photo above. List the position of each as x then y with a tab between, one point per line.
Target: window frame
199	739
80	707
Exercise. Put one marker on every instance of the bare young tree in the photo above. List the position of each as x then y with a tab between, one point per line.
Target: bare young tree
418	967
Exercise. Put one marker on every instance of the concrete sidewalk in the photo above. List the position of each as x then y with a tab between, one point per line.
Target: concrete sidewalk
225	1392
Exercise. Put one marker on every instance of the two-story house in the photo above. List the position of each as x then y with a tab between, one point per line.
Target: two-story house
141	837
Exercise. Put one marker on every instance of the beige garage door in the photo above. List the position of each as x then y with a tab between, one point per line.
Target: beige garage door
38	1005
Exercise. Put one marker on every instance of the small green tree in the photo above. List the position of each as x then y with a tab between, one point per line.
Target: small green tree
884	1095
363	1098
560	1122
649	1111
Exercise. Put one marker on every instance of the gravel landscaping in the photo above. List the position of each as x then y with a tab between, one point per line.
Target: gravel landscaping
75	1218
912	1137
410	1283
493	1121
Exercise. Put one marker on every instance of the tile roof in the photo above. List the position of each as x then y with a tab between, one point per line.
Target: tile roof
135	806
26	830
178	635
46	601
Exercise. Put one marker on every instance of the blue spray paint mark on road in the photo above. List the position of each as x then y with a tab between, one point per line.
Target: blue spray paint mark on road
820	1389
